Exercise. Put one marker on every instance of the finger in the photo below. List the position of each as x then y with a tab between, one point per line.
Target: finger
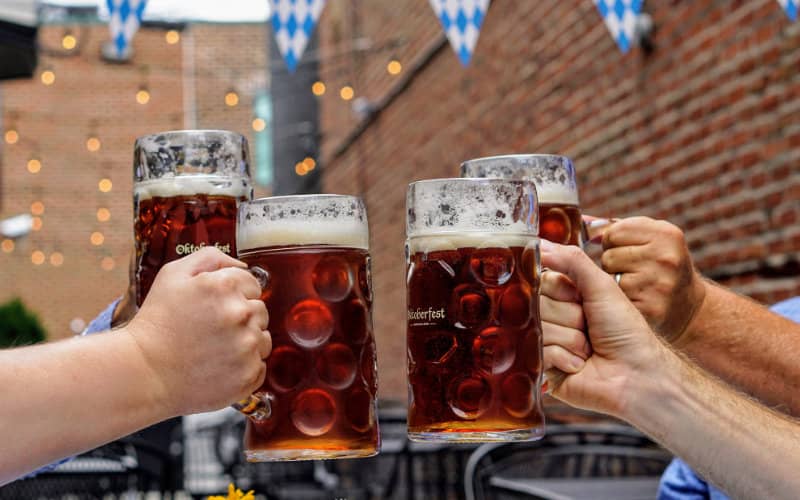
268	343
208	259
573	341
558	287
630	231
592	283
555	378
567	314
259	314
594	227
238	280
561	359
623	259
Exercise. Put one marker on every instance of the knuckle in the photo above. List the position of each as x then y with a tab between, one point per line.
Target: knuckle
237	313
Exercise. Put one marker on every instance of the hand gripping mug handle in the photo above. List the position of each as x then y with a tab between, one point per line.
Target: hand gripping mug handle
257	406
594	228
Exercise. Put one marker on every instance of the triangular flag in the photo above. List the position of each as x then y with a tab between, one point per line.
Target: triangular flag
621	17
790	7
124	19
293	23
461	20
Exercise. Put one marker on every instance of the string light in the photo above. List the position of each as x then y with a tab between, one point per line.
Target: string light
7	245
231	98
318	88
56	259
34	165
107	264
37	257
172	37
11	136
259	124
300	169
103	214
37	208
69	41
48	77
309	163
93	144
104	185
346	92
394	67
36	223
97	238
143	96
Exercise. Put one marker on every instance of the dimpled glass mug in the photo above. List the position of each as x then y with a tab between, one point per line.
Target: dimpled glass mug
311	255
473	329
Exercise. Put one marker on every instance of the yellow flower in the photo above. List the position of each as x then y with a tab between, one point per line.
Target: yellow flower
234	494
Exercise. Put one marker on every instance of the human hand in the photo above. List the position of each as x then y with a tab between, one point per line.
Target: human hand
623	346
655	272
202	332
563	325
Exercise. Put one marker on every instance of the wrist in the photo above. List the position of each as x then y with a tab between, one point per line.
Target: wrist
699	290
154	385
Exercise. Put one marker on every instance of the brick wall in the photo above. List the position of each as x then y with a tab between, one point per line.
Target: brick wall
704	131
91	96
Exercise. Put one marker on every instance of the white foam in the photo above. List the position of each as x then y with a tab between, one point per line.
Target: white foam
188	185
348	233
556	193
454	241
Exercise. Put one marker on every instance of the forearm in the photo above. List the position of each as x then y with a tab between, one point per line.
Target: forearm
741	446
748	346
70	396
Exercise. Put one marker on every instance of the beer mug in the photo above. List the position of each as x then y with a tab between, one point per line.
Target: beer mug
186	188
473	329
554	176
311	256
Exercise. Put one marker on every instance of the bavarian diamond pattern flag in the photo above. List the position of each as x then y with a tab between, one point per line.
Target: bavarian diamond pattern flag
124	19
621	17
791	7
293	23
461	20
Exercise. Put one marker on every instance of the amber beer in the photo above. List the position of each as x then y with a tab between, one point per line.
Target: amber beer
473	327
179	216
311	253
554	176
187	185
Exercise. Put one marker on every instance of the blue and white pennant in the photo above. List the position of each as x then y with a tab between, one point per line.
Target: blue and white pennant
462	21
621	18
293	23
125	16
791	8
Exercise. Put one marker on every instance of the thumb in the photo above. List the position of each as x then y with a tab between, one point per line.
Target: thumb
208	259
593	283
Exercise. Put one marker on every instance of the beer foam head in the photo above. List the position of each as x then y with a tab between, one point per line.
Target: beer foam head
335	220
188	185
553	175
460	205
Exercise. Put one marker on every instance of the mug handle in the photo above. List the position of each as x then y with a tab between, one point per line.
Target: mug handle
257	406
593	228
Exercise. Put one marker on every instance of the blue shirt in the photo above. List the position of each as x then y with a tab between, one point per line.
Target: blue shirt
101	323
679	481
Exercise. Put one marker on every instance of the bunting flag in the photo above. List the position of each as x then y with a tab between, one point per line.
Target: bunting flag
621	18
293	23
461	20
790	7
124	19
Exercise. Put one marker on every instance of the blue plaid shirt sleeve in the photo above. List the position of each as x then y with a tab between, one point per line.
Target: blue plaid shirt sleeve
679	481
101	323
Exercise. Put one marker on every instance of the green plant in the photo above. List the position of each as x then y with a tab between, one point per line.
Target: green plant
18	325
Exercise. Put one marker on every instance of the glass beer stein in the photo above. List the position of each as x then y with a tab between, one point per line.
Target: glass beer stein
186	188
554	176
311	256
473	328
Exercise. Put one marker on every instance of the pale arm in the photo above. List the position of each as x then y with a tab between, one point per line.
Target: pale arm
735	443
72	396
746	345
